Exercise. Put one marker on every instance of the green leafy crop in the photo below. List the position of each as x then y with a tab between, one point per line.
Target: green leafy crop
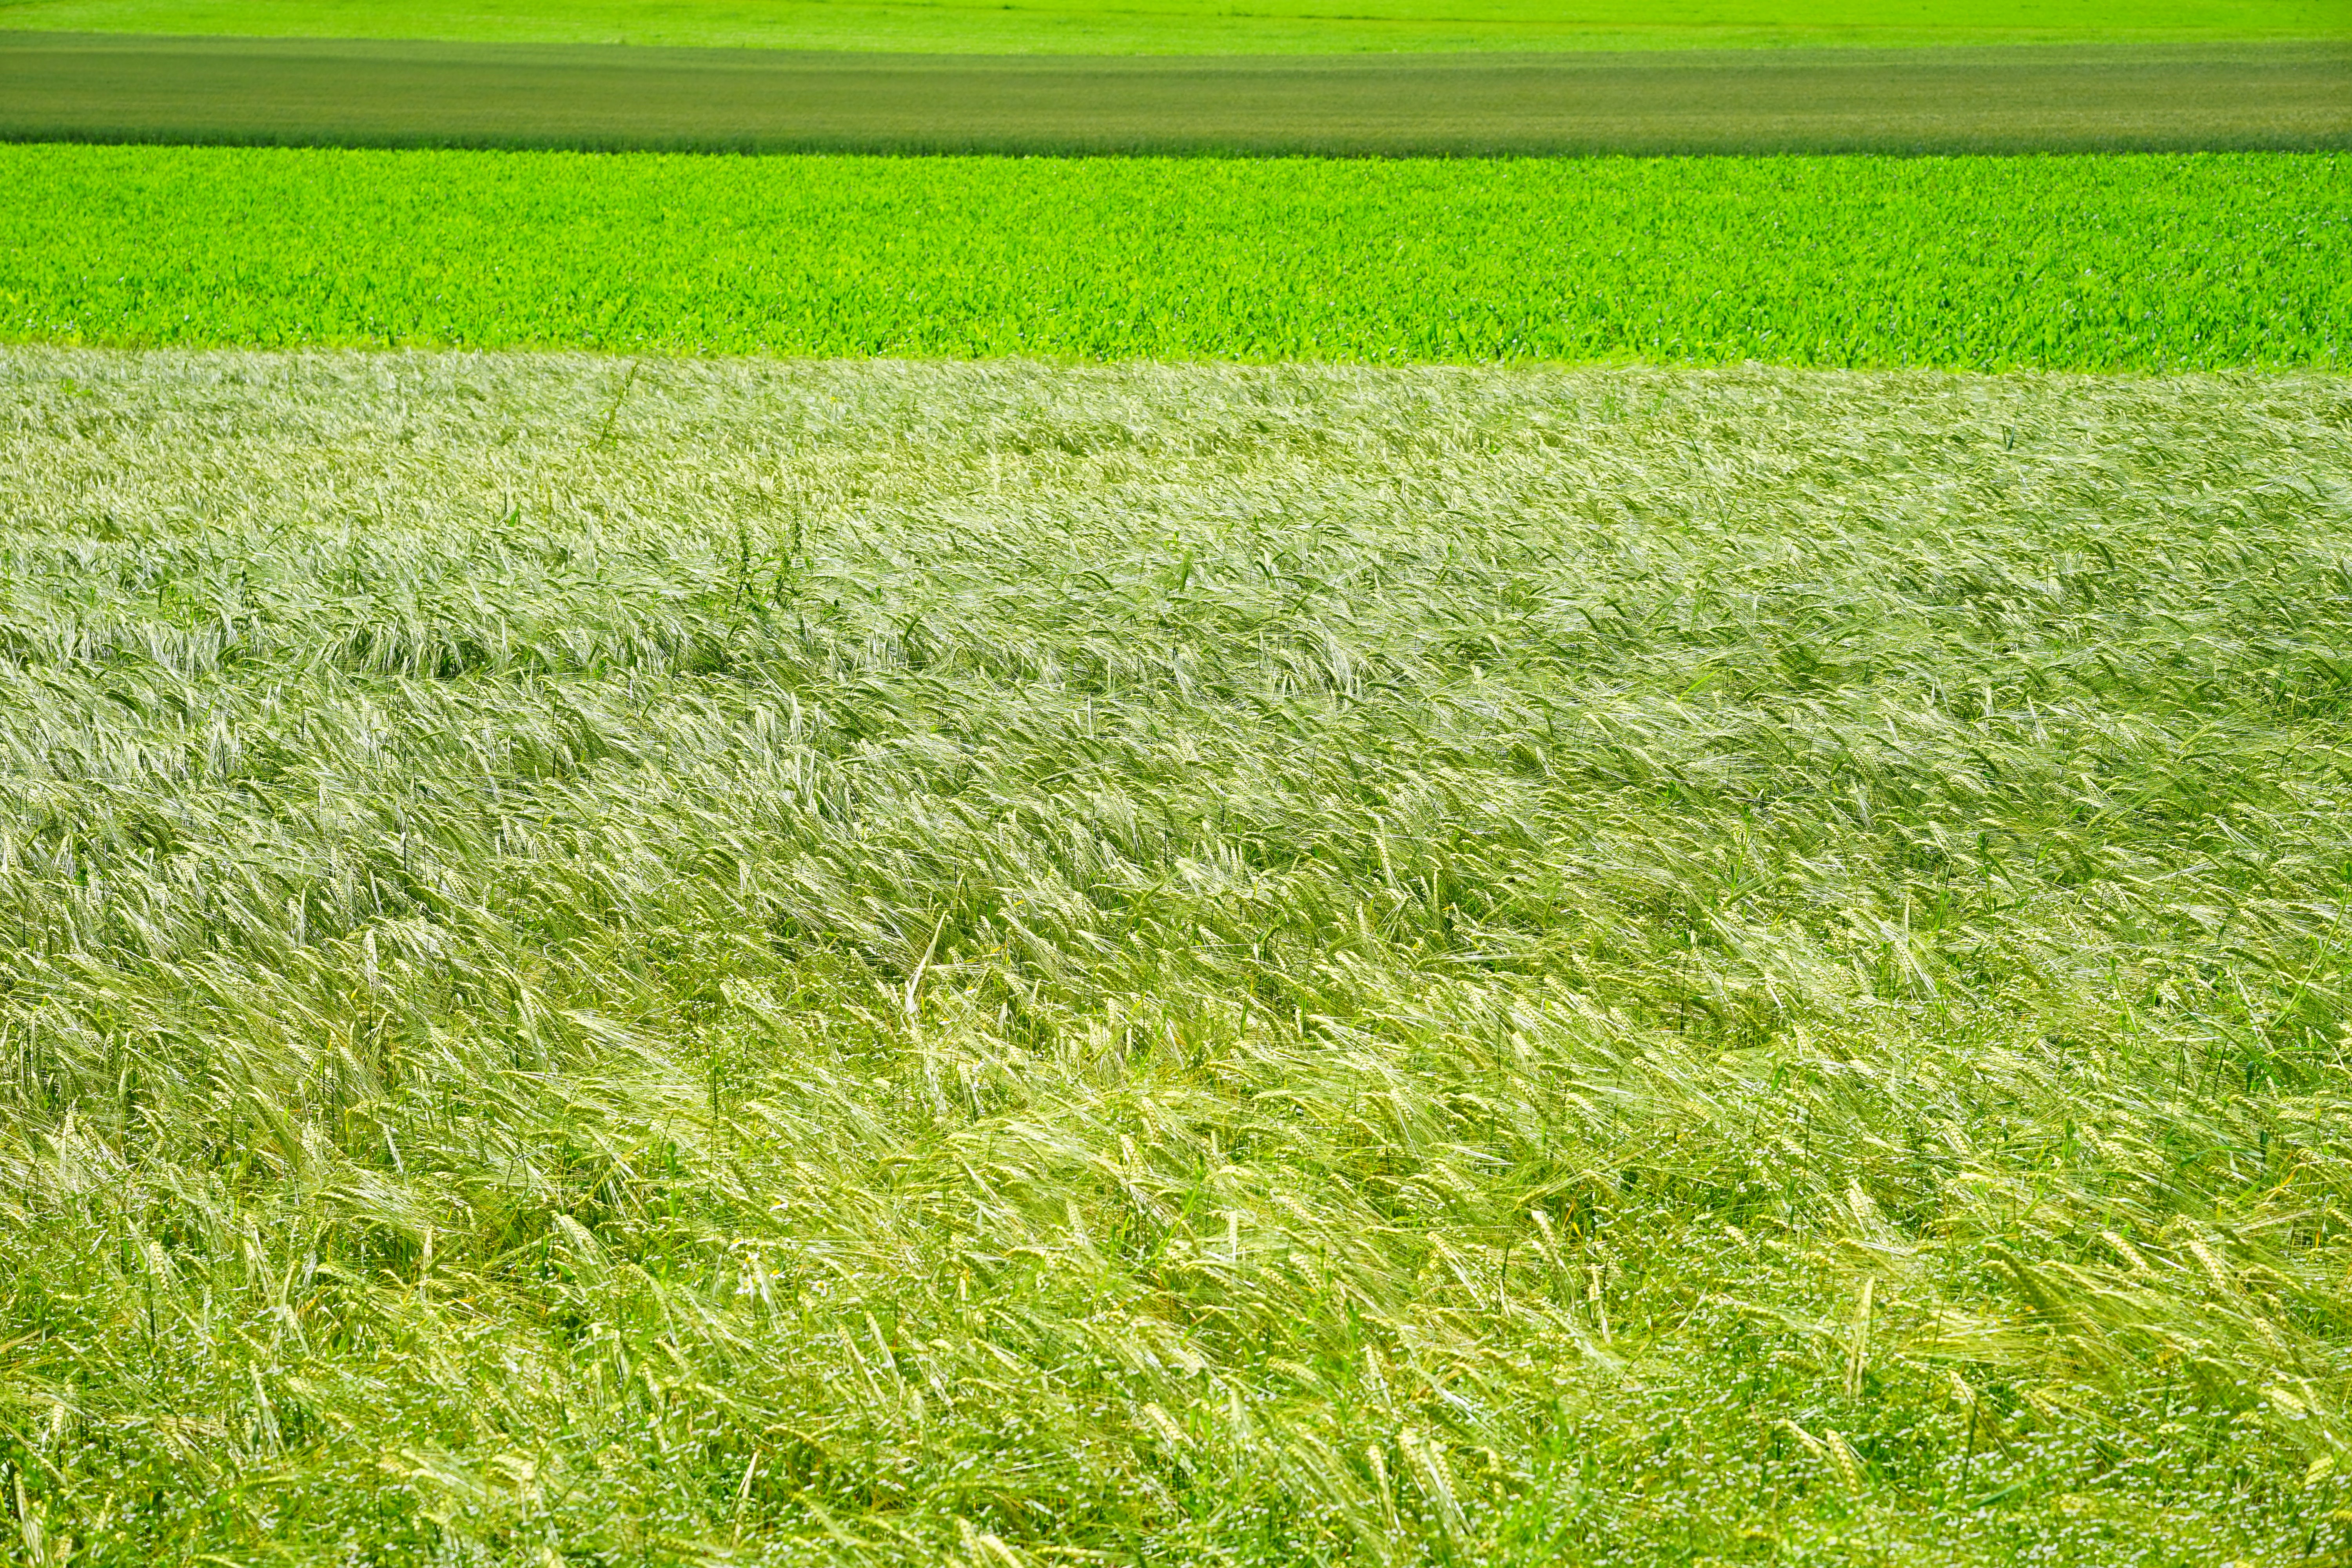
2138	263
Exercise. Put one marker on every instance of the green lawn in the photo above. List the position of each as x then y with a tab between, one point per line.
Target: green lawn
620	962
1198	26
2086	263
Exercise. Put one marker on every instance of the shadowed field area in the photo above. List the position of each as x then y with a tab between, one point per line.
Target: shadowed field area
69	87
687	962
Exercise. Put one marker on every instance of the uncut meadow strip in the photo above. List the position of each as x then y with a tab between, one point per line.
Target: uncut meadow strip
2088	263
1211	964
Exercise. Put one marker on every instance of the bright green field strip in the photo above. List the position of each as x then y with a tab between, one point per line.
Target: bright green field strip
1208	26
699	963
2087	263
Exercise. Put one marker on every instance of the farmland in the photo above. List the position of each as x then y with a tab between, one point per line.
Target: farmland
1397	77
2198	262
313	93
673	960
1469	784
1203	26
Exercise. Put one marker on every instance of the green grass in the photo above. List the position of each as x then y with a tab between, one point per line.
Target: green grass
661	962
1200	26
83	86
2089	263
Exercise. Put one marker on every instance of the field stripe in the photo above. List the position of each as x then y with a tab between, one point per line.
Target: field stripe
2092	262
2251	97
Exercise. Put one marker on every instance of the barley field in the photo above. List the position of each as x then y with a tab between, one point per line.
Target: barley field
629	962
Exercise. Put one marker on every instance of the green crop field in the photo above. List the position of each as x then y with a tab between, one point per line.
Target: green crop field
657	961
1420	812
1201	27
2087	263
1397	77
84	86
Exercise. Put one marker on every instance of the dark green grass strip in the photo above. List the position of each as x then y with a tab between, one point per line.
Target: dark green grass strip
67	87
2095	262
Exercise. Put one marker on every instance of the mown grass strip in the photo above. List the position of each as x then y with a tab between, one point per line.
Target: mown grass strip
2097	263
1209	27
315	92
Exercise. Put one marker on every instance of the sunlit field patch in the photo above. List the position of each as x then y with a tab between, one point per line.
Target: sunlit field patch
652	961
1197	26
2135	263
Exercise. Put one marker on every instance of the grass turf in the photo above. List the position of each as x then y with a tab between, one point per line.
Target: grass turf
1200	26
665	962
87	87
2088	263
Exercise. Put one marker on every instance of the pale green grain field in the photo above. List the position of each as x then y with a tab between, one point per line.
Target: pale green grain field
652	962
